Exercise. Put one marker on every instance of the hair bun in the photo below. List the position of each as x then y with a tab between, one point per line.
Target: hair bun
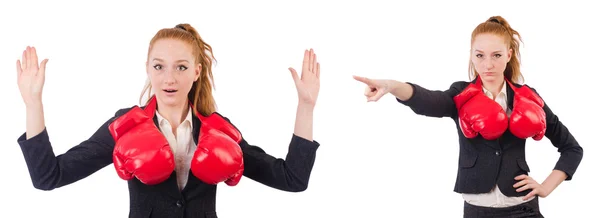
494	20
180	27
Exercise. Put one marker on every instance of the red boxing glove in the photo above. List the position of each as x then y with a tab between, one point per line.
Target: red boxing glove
218	156
478	114
141	150
528	118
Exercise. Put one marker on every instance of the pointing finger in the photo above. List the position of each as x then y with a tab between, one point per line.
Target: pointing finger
364	80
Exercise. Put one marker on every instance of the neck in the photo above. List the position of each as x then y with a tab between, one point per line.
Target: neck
174	114
494	86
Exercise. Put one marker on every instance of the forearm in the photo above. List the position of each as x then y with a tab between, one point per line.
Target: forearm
289	174
401	90
553	180
35	123
304	121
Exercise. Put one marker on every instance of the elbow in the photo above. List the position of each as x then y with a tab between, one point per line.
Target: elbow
298	187
43	186
296	184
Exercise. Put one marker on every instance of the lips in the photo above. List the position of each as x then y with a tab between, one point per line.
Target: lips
170	90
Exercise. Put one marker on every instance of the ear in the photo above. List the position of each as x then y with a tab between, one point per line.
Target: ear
197	72
510	52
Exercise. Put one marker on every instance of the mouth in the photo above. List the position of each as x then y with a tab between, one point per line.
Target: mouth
170	90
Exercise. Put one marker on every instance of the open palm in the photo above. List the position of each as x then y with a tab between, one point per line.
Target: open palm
308	83
31	76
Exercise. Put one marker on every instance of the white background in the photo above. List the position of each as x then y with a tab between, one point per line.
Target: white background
376	159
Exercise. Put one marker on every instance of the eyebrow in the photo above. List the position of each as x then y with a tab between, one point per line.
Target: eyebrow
492	52
178	61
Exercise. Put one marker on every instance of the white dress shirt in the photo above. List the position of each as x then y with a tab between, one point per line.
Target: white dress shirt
182	145
495	198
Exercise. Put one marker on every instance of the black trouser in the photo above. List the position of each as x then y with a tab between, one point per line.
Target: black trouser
530	209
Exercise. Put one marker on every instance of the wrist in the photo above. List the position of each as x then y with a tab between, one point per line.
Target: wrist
306	107
34	105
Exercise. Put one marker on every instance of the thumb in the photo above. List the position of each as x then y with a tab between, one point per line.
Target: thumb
42	70
294	74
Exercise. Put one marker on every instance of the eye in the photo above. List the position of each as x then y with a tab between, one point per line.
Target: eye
181	68
497	55
158	67
479	55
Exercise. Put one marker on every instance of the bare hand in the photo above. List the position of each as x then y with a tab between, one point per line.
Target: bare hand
529	183
376	88
31	76
308	83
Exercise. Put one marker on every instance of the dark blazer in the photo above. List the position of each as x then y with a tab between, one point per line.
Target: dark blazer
484	163
197	199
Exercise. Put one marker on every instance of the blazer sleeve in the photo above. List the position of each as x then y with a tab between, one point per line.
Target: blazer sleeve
558	134
48	171
291	174
434	103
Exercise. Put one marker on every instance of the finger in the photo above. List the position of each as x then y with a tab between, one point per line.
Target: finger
318	70
34	57
29	58
42	70
377	96
24	60
521	177
521	183
364	80
19	70
530	195
525	187
294	74
369	92
313	64
305	62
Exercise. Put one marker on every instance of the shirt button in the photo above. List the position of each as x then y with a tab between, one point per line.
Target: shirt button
179	204
497	153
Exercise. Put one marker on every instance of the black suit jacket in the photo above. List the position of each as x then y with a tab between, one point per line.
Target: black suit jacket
484	163
197	199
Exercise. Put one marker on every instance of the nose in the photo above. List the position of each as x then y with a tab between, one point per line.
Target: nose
488	63
169	77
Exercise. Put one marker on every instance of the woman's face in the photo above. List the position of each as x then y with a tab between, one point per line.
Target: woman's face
490	55
172	71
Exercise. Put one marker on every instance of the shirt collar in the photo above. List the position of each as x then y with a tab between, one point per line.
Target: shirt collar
187	120
502	91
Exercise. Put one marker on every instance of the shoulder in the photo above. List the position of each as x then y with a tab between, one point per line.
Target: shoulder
122	111
527	86
219	119
222	116
458	86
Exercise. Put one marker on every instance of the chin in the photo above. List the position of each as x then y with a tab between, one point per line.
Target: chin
171	100
491	78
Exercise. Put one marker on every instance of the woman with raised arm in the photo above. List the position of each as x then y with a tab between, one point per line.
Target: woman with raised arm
175	149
